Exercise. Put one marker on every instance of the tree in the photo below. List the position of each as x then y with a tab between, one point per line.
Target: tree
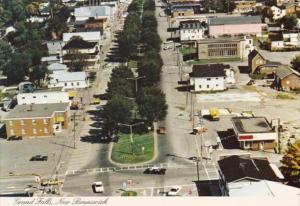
151	70
149	5
117	110
76	60
37	73
33	8
289	21
152	104
296	63
291	162
151	40
5	54
149	20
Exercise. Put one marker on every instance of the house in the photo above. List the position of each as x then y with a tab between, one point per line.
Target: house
37	120
93	23
96	12
41	96
68	80
235	25
284	40
208	77
244	176
176	12
277	12
286	79
254	133
88	50
90	36
54	47
57	67
244	6
225	47
191	30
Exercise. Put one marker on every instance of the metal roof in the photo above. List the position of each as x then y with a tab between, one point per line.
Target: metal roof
235	20
283	71
251	124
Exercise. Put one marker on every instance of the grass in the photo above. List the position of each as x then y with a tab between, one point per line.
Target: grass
284	96
122	151
188	50
219	60
129	193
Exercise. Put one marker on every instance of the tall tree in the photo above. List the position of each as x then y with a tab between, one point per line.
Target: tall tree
152	104
151	70
296	63
5	54
291	162
77	60
289	21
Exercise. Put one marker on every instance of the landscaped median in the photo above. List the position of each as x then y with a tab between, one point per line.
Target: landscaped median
141	150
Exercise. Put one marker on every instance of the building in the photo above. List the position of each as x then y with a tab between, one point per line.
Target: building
281	2
286	79
41	96
93	24
208	77
244	6
277	12
68	80
176	12
254	133
57	67
235	25
54	47
258	64
37	120
96	12
90	36
235	47
284	40
191	30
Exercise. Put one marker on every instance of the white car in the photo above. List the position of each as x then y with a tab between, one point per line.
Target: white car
98	187
174	191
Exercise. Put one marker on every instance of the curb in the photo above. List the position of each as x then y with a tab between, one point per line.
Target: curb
155	155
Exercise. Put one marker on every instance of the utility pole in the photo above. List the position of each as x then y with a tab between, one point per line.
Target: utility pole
131	134
74	129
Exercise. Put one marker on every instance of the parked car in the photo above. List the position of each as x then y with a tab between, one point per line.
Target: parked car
174	191
155	170
48	182
98	187
162	130
12	138
39	158
95	101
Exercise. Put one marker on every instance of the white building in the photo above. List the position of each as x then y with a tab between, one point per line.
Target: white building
57	67
254	133
277	12
90	36
191	30
68	80
210	77
43	97
284	40
97	12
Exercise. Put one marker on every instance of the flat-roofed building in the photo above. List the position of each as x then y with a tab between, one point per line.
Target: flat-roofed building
191	30
254	133
236	47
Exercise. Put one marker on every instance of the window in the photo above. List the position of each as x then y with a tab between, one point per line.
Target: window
33	122
208	79
72	84
12	132
22	122
34	97
10	123
78	83
23	131
46	130
217	85
46	121
45	96
23	97
66	84
217	78
34	131
207	86
200	86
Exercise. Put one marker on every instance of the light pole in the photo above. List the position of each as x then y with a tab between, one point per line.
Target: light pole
74	129
197	160
131	134
136	79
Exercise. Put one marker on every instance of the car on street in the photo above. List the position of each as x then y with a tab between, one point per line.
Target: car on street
155	170
174	191
98	187
166	47
49	182
12	138
39	158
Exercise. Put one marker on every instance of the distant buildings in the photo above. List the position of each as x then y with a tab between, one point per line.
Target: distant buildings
236	47
244	6
235	25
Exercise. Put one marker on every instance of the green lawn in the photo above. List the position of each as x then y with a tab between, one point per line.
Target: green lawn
219	60
122	151
188	50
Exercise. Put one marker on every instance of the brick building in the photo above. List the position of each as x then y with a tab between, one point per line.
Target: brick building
286	78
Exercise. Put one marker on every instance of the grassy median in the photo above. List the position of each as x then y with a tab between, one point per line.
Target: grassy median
141	150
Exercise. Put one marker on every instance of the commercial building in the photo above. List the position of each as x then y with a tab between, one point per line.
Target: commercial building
254	133
191	30
37	120
235	25
208	77
244	6
235	47
68	80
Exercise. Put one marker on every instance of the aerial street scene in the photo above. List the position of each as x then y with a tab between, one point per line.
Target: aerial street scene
150	98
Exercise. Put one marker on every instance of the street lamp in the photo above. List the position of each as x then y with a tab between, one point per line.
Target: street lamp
135	79
197	160
131	134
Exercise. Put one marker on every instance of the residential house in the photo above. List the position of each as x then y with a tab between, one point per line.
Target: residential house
244	176
235	25
93	23
244	6
208	77
54	47
284	40
42	96
57	67
68	80
191	30
254	133
88	50
286	78
37	120
226	47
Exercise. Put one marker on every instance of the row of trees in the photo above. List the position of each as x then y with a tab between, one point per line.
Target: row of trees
148	103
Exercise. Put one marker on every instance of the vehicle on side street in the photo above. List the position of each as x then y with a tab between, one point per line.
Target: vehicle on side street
174	191
155	170
49	182
95	101
214	114
39	158
98	187
161	130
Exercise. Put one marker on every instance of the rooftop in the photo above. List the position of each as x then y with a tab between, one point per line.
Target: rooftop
235	20
57	67
235	168
64	76
209	70
78	43
36	110
251	124
92	11
283	71
91	36
54	46
221	40
190	24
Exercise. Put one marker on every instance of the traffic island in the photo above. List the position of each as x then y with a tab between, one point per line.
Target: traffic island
129	193
140	150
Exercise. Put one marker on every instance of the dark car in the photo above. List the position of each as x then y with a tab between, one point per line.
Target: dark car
39	158
155	170
12	138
